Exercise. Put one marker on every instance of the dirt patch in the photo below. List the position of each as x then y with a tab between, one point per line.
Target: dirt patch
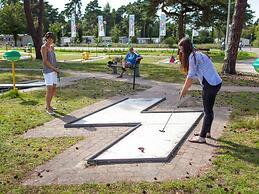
243	79
241	130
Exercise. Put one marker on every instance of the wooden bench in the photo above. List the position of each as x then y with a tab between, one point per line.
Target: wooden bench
27	49
115	64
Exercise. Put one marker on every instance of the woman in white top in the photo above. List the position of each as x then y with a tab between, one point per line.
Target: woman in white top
50	70
198	65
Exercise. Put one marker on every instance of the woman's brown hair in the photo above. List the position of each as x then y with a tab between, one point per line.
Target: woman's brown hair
49	35
184	53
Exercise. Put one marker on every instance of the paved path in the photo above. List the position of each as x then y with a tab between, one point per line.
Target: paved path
246	65
140	80
70	167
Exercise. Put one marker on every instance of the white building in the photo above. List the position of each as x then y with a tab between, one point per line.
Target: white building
22	39
148	40
245	41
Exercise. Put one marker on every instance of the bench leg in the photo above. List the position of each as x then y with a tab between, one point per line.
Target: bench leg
114	70
137	71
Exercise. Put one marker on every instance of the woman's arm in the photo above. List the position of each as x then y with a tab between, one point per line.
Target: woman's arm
45	59
186	86
192	72
139	57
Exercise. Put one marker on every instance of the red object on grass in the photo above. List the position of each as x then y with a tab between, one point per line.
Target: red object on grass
172	59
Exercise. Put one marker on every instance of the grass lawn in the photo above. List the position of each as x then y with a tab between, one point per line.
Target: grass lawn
150	68
71	55
6	76
23	76
235	166
19	155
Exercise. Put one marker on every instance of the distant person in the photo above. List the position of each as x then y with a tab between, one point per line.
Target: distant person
223	45
240	45
198	65
130	60
50	70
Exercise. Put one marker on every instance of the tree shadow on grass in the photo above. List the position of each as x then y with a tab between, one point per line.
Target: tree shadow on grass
243	152
28	102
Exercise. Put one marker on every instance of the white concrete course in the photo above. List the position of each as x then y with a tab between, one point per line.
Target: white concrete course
145	142
24	85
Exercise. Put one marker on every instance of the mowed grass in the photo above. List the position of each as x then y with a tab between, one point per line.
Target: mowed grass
150	68
20	76
23	76
17	115
234	169
235	165
71	55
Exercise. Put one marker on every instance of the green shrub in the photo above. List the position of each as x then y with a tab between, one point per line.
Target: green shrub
170	41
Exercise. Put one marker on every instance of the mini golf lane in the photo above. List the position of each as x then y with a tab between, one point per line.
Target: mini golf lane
143	142
23	85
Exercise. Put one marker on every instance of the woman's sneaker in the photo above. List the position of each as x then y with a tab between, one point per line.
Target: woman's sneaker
207	135
53	108
197	139
50	112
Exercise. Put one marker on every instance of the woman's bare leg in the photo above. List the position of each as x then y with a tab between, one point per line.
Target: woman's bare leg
49	95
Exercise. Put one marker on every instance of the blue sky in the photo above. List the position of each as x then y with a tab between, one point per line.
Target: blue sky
117	3
255	7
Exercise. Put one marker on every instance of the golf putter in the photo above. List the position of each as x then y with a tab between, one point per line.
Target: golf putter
58	75
174	107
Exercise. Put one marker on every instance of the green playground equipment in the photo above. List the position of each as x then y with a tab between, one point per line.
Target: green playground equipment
12	56
256	65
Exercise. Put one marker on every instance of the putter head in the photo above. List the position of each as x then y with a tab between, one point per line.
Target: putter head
162	130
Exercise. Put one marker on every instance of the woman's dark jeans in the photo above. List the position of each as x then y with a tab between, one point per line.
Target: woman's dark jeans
209	93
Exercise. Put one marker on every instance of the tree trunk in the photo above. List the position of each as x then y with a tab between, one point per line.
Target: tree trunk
144	28
15	36
229	66
35	33
180	26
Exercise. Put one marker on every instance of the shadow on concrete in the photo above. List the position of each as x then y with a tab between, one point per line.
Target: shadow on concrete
64	117
68	118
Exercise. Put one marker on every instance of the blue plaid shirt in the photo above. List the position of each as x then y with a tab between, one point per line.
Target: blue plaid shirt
203	68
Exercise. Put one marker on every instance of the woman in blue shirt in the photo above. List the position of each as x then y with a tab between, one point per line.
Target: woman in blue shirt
199	65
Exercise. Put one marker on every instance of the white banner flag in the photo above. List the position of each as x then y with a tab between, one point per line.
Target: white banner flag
162	29
131	25
100	26
73	25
